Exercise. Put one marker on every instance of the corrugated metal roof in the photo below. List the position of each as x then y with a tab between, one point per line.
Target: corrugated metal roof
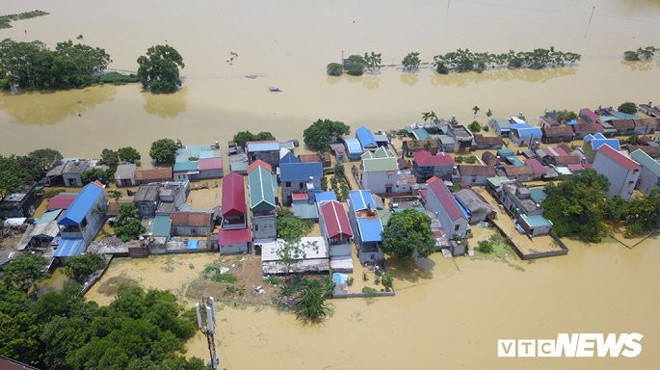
262	189
68	247
424	158
301	171
335	219
421	134
535	221
263	146
61	201
186	166
48	217
362	199
371	229
83	203
233	195
259	163
444	196
289	157
617	157
324	196
613	143
210	164
366	137
305	210
646	161
195	218
353	145
162	226
234	236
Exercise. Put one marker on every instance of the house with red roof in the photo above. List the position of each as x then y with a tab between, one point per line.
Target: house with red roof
427	165
336	230
61	201
235	236
538	169
442	203
620	170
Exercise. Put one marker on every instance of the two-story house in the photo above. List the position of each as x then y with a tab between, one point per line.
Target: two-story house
379	170
296	176
80	223
336	230
442	203
262	186
367	226
426	165
234	236
621	171
267	151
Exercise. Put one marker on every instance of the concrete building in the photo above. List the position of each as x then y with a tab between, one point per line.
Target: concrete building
72	171
125	174
379	170
198	162
20	204
295	177
336	230
160	198
192	223
235	236
479	209
524	134
80	223
409	147
262	185
267	151
462	136
158	174
557	134
475	174
520	173
442	203
501	126
593	142
486	142
649	177
426	165
518	201
621	171
367	226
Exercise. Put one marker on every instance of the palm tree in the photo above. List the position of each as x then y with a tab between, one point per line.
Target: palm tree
429	116
476	110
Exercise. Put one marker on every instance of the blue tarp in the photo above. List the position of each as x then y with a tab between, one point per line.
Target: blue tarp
80	206
192	245
68	247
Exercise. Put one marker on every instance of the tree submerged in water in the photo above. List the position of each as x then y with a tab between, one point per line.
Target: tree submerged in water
464	60
159	69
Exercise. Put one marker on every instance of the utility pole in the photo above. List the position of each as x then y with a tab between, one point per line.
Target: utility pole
209	329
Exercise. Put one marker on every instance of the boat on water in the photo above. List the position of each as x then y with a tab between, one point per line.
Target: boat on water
274	89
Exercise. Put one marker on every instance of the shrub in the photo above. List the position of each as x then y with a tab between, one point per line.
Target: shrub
485	247
355	69
630	56
335	69
369	291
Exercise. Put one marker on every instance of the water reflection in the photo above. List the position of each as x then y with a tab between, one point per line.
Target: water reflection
46	108
642	65
166	105
408	78
333	80
528	75
371	82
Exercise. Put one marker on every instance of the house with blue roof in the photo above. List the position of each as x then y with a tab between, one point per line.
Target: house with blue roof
593	142
353	147
302	177
501	126
198	162
524	134
367	226
80	223
287	156
366	138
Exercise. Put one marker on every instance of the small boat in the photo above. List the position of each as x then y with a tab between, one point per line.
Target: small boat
274	89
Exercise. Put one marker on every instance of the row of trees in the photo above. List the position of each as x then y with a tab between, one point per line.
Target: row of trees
62	331
17	171
242	137
578	208
645	53
5	20
32	65
464	60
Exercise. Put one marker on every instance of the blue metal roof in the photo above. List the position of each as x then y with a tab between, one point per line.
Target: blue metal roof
289	158
186	166
466	211
263	146
323	196
68	247
49	217
381	138
353	145
504	152
161	226
519	125
80	206
587	138
366	137
514	161
614	143
361	199
301	171
371	229
529	131
421	134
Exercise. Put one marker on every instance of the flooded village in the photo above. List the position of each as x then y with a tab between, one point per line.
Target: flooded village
476	154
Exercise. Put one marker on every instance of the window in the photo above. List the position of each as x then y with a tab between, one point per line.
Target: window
256	227
83	223
288	184
457	227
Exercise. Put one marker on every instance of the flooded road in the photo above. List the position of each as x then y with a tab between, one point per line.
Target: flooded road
287	44
447	315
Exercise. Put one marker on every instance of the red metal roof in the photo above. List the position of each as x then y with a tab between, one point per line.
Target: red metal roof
536	166
233	195
618	157
259	163
335	219
210	164
61	201
299	196
234	236
445	197
424	158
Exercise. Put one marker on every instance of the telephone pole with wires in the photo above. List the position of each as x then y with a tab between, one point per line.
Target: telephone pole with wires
208	329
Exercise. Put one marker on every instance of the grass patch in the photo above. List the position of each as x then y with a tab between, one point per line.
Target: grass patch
369	291
224	278
116	78
274	280
5	20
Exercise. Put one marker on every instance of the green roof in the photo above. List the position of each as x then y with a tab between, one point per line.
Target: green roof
262	190
161	226
380	160
535	221
498	180
646	161
538	194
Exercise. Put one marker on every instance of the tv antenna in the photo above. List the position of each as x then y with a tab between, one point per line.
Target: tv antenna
209	328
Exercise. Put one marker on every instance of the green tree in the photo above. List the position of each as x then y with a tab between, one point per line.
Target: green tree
241	137
45	157
628	107
644	213
163	151
335	69
291	227
290	252
411	62
429	116
373	61
355	69
80	267
129	154
24	271
94	174
476	110
634	140
310	305
159	69
324	132
489	113
630	56
576	206
408	234
566	115
475	126
109	158
128	225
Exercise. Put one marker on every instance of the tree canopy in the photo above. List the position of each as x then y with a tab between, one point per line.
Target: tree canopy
163	151
576	206
408	234
128	225
32	65
24	271
241	137
80	267
628	107
129	154
411	62
17	171
159	69
324	132
291	227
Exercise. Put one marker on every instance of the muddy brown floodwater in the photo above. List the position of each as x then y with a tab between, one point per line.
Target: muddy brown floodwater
448	315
